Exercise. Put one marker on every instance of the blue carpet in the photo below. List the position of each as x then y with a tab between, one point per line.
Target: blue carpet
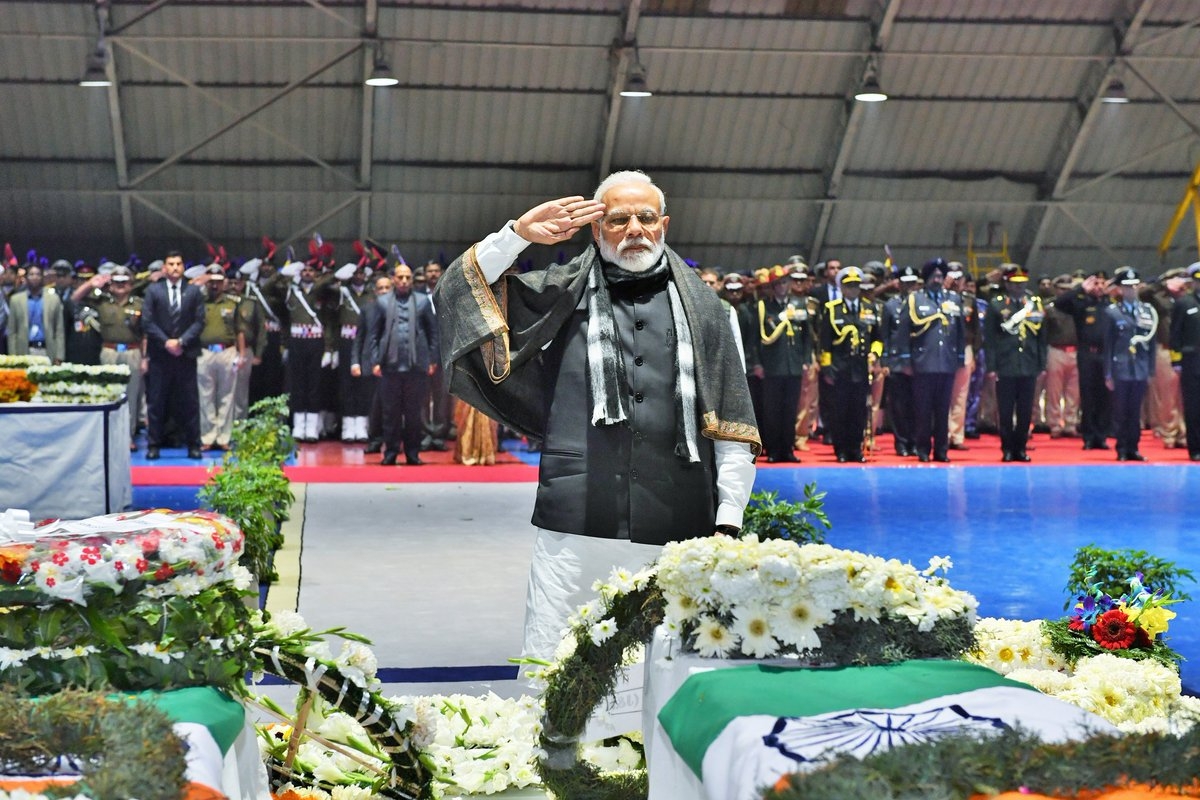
1012	533
177	497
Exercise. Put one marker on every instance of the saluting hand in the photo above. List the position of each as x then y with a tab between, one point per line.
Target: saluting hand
557	220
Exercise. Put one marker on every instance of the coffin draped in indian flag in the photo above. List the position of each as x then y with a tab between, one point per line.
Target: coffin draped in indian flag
741	729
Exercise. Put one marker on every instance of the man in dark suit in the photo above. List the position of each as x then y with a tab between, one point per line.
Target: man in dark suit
172	319
402	347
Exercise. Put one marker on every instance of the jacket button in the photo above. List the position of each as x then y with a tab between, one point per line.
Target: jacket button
639	324
633	474
639	361
639	397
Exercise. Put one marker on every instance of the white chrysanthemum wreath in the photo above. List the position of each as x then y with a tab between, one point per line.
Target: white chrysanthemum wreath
731	598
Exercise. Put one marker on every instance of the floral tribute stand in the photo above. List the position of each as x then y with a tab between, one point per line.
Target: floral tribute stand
767	659
66	447
151	605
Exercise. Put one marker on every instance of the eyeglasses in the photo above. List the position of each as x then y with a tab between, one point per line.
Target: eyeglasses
618	220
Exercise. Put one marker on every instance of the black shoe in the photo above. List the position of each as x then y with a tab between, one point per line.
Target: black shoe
790	458
958	446
971	435
373	447
194	452
389	460
414	460
1135	456
857	458
923	458
1022	456
1194	456
942	458
152	453
1007	457
1100	445
841	458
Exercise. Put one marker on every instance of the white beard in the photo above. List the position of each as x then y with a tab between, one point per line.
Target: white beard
634	262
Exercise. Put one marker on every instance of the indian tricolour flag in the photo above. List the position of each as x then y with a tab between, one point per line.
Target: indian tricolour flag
740	729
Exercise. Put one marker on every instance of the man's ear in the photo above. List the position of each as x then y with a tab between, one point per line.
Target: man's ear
666	221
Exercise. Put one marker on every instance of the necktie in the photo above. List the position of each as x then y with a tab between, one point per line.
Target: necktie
174	297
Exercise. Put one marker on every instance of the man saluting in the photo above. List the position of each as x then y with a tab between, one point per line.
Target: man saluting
623	363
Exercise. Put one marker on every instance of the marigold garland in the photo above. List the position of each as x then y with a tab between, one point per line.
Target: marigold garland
15	387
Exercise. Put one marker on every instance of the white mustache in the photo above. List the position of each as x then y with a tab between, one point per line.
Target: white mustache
641	241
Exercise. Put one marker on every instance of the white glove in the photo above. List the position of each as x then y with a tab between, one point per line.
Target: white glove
333	362
325	359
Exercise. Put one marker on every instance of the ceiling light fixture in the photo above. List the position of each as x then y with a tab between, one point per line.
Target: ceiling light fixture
635	76
96	72
381	75
871	91
96	75
1115	93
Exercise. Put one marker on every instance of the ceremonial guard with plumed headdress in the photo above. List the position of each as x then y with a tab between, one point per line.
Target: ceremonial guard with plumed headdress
310	348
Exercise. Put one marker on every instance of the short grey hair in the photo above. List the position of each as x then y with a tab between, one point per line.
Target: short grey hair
630	176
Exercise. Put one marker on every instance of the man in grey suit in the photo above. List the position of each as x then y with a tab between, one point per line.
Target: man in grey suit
402	349
35	319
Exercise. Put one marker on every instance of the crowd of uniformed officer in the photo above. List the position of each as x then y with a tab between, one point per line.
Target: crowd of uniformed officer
837	352
266	329
840	352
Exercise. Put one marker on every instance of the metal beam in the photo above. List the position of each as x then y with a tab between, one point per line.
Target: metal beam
331	13
881	32
367	142
1076	133
1170	103
616	82
216	100
136	18
117	128
168	216
1088	232
284	92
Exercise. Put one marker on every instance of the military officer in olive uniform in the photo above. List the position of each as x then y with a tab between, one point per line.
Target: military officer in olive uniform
932	330
851	341
1087	305
1016	347
119	317
252	322
1129	355
786	338
222	347
898	395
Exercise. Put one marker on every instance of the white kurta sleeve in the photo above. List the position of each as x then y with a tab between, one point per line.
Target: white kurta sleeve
498	251
735	479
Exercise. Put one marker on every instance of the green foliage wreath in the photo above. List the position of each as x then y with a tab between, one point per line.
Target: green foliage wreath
123	749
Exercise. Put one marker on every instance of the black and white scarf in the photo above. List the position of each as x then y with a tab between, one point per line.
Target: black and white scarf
606	364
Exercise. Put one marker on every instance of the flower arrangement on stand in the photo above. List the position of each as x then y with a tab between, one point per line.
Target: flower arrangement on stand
740	598
146	600
15	387
79	383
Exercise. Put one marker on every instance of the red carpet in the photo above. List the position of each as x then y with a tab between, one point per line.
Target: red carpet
333	462
985	451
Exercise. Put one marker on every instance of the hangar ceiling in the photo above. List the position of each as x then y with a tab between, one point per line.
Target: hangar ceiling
227	121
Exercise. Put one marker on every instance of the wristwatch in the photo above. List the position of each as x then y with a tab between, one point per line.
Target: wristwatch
729	530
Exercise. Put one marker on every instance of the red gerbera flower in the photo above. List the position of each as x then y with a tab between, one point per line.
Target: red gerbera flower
1113	630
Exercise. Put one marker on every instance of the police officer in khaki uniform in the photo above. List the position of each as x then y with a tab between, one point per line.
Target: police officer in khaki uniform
222	347
119	318
252	321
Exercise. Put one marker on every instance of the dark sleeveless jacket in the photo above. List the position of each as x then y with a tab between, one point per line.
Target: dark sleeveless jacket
631	484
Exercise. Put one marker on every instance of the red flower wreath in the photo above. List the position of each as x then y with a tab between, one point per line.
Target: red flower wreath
1114	631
